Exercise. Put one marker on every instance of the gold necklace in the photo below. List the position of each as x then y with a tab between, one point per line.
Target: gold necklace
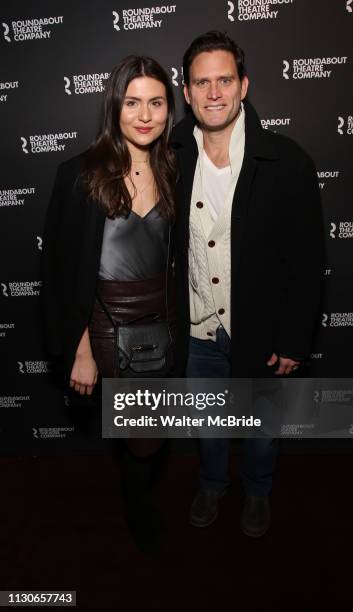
136	161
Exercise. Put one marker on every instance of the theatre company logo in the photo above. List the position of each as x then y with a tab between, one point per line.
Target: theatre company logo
337	319
45	143
45	433
5	87
341	396
311	67
343	230
21	288
15	197
85	83
177	76
30	29
253	10
349	8
345	125
13	401
33	367
275	123
141	18
326	174
4	329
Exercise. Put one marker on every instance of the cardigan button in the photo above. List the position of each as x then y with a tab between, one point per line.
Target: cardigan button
215	280
211	243
199	204
221	311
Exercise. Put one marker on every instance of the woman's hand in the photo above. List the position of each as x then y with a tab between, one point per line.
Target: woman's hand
84	372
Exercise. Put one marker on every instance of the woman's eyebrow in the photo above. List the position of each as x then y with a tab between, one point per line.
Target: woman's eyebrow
139	99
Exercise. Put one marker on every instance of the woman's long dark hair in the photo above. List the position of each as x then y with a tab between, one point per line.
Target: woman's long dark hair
107	161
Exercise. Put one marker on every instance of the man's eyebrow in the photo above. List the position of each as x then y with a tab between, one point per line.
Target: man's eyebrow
221	76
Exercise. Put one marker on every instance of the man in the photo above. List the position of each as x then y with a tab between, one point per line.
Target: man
249	257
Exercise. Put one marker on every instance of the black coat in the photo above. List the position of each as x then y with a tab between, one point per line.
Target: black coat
72	242
276	247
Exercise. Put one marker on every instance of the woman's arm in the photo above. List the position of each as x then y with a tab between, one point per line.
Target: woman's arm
84	372
50	295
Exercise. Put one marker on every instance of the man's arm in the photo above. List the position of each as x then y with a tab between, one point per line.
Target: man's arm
302	259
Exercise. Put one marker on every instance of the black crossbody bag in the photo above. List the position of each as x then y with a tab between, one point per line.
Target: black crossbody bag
140	347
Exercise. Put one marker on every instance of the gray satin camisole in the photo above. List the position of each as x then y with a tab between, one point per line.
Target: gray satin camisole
134	248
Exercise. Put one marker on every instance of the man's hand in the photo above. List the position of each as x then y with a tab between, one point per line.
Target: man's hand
285	365
84	374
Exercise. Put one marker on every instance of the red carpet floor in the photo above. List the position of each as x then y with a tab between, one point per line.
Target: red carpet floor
62	527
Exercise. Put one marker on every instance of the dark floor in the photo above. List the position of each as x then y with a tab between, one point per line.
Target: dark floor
62	527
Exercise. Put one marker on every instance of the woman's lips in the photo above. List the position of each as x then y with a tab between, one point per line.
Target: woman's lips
144	130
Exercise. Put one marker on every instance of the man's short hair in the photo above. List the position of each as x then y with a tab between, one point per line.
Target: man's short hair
213	41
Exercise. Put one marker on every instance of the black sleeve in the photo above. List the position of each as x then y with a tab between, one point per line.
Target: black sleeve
302	260
51	293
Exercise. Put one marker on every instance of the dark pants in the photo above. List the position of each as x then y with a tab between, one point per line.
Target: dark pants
208	359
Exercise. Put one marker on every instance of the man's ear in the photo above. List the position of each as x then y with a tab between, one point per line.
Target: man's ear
244	87
186	94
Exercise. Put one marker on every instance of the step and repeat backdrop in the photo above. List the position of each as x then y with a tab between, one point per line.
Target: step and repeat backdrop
55	59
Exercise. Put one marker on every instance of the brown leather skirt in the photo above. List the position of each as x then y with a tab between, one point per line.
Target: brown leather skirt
126	301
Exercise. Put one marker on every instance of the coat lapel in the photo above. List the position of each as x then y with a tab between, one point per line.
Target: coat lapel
257	149
241	200
186	150
188	159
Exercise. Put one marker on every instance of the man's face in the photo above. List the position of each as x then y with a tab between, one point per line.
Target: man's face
215	90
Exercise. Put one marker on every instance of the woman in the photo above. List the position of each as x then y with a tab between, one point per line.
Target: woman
106	255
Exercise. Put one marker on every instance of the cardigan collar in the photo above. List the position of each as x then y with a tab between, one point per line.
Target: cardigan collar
258	143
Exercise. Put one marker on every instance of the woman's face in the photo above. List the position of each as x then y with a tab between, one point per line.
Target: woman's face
144	112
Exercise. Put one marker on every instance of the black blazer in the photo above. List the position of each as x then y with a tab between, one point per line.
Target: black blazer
277	254
72	242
